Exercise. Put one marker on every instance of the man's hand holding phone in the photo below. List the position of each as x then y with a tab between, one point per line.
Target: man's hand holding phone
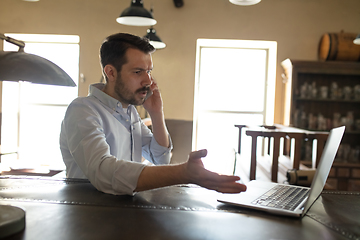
153	101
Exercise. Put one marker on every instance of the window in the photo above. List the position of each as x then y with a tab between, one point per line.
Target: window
234	84
32	113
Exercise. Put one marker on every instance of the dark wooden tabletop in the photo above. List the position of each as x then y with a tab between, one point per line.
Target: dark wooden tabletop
74	209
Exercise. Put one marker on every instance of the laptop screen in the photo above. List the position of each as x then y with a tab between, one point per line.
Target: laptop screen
323	169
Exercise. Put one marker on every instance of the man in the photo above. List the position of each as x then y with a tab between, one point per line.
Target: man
103	138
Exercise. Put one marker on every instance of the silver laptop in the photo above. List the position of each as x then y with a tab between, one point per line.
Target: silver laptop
282	199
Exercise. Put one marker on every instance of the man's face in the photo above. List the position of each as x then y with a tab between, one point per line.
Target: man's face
134	80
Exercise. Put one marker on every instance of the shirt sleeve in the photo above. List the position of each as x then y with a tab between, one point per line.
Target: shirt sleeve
87	144
152	150
156	153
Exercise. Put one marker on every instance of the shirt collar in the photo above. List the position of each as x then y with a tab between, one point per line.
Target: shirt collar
96	91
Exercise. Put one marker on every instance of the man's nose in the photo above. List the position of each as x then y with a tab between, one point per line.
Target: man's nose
148	80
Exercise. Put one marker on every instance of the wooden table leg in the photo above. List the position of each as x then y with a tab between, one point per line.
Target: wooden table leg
239	143
275	160
253	157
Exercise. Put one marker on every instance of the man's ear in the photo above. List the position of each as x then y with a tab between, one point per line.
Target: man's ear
111	72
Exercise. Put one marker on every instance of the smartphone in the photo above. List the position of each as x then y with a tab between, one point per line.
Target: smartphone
149	93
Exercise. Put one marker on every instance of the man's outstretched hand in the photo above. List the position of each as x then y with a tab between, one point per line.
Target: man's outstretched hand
197	174
192	171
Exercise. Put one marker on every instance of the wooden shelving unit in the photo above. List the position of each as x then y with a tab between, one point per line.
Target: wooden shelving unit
324	95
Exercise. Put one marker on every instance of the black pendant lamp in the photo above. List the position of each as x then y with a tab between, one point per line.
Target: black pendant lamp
154	39
136	15
244	2
21	66
357	40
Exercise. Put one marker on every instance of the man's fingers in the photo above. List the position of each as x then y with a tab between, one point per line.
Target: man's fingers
154	86
237	189
230	188
215	181
198	154
225	183
216	177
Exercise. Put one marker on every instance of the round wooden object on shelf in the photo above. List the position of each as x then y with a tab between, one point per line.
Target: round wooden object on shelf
339	47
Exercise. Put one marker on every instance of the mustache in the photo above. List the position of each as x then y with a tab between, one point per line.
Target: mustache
146	88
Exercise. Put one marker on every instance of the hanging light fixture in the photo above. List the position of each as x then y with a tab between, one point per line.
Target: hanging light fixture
245	2
154	39
357	40
21	66
136	15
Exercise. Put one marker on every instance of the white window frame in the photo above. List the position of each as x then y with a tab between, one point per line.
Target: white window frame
269	46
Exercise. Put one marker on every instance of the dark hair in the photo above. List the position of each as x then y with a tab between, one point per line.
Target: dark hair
114	47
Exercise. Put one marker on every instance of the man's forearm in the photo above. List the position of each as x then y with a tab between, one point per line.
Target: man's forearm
159	129
161	176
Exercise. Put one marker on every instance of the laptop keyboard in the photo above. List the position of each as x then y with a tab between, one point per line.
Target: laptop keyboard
282	197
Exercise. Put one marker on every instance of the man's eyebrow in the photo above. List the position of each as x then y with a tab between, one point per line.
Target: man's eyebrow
142	69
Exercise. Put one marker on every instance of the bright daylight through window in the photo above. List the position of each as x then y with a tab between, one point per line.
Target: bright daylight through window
234	84
32	113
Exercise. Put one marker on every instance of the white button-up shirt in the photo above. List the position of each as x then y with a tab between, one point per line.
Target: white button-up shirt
105	143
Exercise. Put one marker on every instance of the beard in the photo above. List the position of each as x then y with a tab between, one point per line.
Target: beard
126	96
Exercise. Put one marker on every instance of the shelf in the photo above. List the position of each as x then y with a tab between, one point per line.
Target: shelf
327	100
337	163
346	132
301	78
341	163
327	67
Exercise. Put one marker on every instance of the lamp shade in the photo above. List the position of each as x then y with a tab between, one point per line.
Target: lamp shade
21	66
357	40
136	15
154	39
245	2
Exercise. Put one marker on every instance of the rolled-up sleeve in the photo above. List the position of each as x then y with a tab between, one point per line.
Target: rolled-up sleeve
156	153
152	150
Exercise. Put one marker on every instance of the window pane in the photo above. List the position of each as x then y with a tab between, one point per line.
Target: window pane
9	129
217	133
232	79
39	135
